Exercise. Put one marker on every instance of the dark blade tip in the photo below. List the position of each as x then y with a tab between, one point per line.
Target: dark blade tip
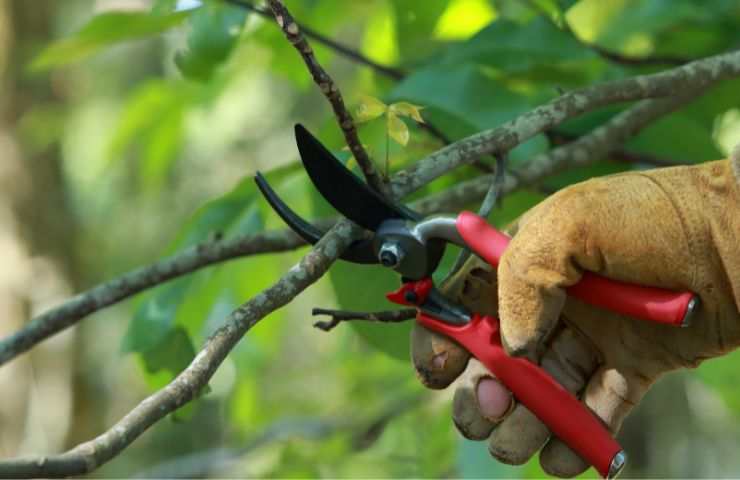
360	251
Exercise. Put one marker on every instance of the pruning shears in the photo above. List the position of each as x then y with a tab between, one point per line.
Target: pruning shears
413	246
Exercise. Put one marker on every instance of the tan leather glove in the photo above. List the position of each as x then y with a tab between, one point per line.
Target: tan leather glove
677	228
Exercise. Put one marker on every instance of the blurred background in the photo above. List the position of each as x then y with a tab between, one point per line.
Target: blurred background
130	129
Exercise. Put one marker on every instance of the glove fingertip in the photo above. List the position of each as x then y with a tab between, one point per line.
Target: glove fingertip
437	359
558	460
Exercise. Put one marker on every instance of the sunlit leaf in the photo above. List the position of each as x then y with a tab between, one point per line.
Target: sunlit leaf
105	30
160	313
469	93
407	109
397	129
513	48
552	9
370	108
152	124
722	375
463	18
415	23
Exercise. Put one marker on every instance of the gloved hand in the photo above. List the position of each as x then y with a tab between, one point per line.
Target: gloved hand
676	228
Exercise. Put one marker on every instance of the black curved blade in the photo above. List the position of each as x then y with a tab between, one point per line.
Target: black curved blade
352	197
360	251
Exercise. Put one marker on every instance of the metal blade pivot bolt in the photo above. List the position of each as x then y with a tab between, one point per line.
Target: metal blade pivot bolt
391	254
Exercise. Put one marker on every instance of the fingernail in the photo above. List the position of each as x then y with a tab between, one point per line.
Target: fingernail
439	360
495	401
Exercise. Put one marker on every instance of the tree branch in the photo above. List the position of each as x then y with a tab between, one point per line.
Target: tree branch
88	456
187	261
692	76
557	138
649	60
293	33
584	151
338	316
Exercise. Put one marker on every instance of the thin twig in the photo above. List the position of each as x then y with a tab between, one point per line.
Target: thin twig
354	55
557	138
648	60
338	316
489	202
330	90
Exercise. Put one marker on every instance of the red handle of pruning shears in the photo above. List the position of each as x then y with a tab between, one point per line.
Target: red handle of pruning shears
562	412
647	303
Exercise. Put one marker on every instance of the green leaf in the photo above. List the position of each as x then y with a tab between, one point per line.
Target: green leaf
408	110
214	32
722	375
473	97
164	143
363	288
580	174
369	108
160	7
169	307
103	31
414	24
678	137
153	124
552	9
474	461
397	129
469	93
171	355
512	48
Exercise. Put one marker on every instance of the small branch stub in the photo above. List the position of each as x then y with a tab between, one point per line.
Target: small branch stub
339	316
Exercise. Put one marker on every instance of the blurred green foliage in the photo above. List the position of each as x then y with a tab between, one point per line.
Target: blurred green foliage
207	95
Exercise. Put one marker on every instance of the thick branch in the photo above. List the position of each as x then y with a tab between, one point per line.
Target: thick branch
585	151
88	456
129	284
293	33
692	76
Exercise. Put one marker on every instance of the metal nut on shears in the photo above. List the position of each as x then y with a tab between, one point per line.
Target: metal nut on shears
391	254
